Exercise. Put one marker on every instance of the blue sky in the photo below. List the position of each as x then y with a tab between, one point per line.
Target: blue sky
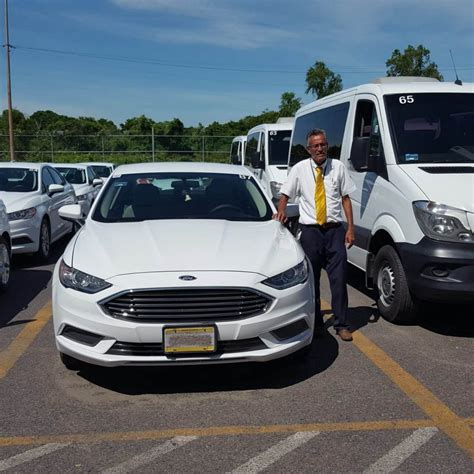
214	60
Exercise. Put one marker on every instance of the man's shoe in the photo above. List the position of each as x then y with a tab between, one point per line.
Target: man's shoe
344	334
319	331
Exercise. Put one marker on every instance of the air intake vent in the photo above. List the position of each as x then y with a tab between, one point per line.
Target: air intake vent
186	305
448	169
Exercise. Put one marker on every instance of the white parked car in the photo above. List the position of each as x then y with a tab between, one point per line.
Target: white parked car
33	194
101	170
5	247
84	180
189	273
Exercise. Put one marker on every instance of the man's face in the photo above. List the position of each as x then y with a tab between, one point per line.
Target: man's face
318	148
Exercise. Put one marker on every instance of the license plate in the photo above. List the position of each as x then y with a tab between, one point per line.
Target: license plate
180	340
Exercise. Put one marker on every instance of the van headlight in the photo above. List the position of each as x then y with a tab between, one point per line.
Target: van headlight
80	281
275	189
24	214
442	222
291	277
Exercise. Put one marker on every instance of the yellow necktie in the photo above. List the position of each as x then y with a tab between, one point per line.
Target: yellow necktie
320	197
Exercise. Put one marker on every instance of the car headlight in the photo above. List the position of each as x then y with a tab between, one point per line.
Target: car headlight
294	276
442	222
24	214
275	188
82	197
80	281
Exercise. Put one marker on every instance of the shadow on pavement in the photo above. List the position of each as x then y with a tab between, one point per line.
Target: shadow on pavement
276	374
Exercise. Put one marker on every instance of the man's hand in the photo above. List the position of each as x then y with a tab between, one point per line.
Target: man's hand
280	216
350	238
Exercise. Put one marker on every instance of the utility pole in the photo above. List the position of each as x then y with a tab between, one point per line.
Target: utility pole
9	86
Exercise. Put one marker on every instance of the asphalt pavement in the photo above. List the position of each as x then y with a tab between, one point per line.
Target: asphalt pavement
397	398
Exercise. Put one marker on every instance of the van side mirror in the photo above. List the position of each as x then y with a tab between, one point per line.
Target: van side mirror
257	163
360	153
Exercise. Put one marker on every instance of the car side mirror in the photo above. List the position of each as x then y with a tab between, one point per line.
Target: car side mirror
97	182
360	153
72	213
55	189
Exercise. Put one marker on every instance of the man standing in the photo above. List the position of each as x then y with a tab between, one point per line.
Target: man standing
323	187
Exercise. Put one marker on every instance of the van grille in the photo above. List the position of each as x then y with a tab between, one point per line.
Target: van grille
186	305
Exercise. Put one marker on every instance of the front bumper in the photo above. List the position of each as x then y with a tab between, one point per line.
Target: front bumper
439	271
25	235
81	311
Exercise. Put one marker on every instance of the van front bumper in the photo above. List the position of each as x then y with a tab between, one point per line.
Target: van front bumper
439	271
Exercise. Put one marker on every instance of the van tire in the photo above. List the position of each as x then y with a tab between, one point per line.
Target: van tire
394	302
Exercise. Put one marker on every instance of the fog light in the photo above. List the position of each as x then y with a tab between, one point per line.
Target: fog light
440	272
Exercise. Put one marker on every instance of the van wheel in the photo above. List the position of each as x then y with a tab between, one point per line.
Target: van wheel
70	363
394	302
44	241
4	264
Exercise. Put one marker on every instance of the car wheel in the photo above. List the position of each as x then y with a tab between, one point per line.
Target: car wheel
70	363
44	241
395	302
4	264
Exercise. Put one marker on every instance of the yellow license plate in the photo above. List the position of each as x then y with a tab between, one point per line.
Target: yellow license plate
179	340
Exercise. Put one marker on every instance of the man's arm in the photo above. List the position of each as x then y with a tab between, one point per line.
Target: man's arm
281	214
347	206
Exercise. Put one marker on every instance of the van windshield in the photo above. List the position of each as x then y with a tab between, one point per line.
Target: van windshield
279	145
432	127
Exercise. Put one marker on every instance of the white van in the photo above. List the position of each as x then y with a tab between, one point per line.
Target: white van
408	144
266	154
237	150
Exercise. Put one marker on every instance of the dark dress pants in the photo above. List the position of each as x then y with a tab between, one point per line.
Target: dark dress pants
325	248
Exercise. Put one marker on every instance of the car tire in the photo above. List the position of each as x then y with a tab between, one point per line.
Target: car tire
394	302
5	263
70	363
44	248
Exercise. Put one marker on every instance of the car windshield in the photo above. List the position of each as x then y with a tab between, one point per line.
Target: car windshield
279	145
73	175
149	196
432	128
101	171
18	180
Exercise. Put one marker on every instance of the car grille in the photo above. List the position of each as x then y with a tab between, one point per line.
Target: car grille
156	349
187	305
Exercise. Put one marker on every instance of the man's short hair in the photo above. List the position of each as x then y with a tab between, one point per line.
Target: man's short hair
316	131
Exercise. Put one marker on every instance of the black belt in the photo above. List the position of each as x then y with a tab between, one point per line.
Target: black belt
327	225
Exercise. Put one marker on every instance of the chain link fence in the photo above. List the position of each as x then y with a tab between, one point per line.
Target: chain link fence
117	148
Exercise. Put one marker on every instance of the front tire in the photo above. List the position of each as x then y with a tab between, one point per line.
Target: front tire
44	241
395	302
4	264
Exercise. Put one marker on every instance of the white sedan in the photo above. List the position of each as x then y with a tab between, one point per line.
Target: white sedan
84	181
5	247
33	194
181	263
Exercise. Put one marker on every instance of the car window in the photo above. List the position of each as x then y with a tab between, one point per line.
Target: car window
138	197
90	174
18	180
73	175
101	171
46	180
57	177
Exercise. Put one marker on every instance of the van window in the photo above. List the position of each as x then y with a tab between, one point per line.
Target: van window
279	145
432	127
331	119
252	147
234	154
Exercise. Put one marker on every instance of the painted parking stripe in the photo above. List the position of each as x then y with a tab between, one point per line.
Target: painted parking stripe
396	456
20	344
276	452
149	456
30	455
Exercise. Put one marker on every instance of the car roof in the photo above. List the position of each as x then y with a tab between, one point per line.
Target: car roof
181	167
23	164
70	165
97	163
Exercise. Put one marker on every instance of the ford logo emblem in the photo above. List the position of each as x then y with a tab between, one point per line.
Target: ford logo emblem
187	277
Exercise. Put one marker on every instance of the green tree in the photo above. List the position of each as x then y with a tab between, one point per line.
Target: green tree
412	62
289	104
321	81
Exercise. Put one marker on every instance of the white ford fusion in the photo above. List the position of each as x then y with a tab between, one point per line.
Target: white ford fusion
181	263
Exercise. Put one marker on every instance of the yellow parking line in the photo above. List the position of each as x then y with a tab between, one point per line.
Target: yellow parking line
441	415
215	431
20	344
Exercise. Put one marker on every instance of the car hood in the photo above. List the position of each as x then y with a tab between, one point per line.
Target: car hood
18	201
439	184
110	249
